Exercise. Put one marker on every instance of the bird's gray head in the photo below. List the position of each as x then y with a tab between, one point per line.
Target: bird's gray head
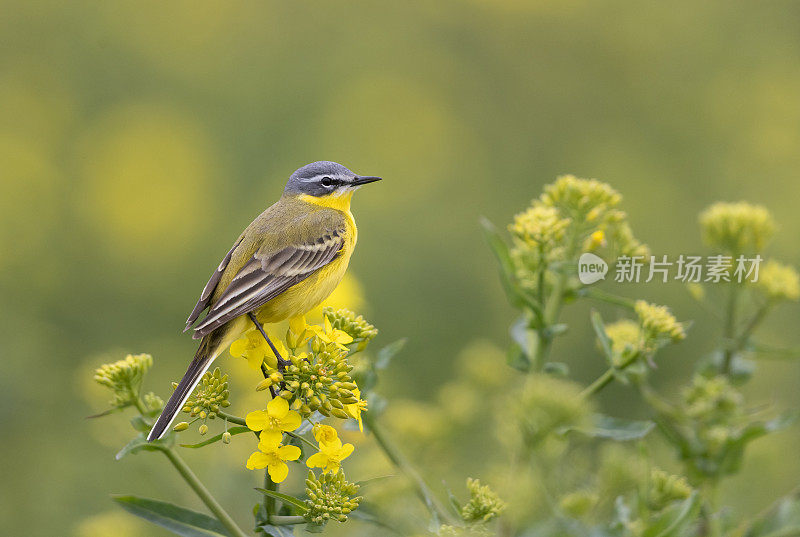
323	178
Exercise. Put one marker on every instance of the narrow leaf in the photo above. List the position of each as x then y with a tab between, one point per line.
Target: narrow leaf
618	429
291	500
602	336
277	531
233	430
178	520
138	444
386	354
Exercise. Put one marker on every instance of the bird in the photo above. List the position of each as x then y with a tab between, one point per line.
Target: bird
284	264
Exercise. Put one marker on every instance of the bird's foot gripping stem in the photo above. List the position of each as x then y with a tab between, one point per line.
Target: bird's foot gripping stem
282	363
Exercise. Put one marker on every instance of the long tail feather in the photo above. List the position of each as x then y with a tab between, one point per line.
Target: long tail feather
203	358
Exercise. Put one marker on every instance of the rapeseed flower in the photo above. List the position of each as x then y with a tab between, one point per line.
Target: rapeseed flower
737	227
254	348
273	456
273	421
778	281
330	456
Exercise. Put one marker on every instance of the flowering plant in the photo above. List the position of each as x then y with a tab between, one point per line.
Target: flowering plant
554	464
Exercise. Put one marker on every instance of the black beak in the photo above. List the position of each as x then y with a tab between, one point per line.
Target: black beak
359	180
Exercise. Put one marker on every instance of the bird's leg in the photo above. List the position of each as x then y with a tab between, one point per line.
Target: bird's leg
281	362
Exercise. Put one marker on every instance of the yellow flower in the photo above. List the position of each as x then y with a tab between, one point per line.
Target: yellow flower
271	455
737	227
329	334
274	420
325	434
330	456
779	282
354	410
298	332
254	348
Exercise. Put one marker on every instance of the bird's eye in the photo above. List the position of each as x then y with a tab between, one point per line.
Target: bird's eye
327	181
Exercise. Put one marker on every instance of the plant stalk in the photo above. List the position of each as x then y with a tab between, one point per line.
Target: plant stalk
203	493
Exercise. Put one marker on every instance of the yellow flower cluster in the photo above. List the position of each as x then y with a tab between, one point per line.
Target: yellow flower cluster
124	377
314	378
737	227
484	504
588	199
540	226
778	281
658	323
272	423
572	213
626	339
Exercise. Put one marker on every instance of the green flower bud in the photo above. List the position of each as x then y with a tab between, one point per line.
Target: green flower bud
182	426
203	429
226	437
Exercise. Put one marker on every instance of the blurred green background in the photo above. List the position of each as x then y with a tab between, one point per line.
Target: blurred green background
138	138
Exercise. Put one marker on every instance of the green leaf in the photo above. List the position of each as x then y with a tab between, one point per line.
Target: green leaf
106	412
178	520
386	354
233	430
291	500
602	336
672	521
557	369
618	429
276	531
141	424
140	443
371	480
782	519
516	358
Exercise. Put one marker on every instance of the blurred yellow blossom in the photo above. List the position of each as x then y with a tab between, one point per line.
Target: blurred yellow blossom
737	227
272	456
658	322
273	421
778	281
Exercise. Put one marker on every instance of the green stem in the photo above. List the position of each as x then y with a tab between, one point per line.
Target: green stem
397	458
601	382
269	501
302	439
203	493
231	418
729	328
605	379
751	325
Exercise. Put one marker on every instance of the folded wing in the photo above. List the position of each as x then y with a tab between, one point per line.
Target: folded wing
264	276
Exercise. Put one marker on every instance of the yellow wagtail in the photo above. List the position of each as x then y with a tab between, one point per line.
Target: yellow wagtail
287	261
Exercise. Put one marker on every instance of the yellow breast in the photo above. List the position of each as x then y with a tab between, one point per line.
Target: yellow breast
311	292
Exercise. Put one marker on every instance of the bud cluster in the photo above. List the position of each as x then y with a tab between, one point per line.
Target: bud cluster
330	497
737	227
124	377
316	381
354	325
658	325
484	504
666	488
208	398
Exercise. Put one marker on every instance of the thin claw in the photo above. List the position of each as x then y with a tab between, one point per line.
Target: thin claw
281	362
